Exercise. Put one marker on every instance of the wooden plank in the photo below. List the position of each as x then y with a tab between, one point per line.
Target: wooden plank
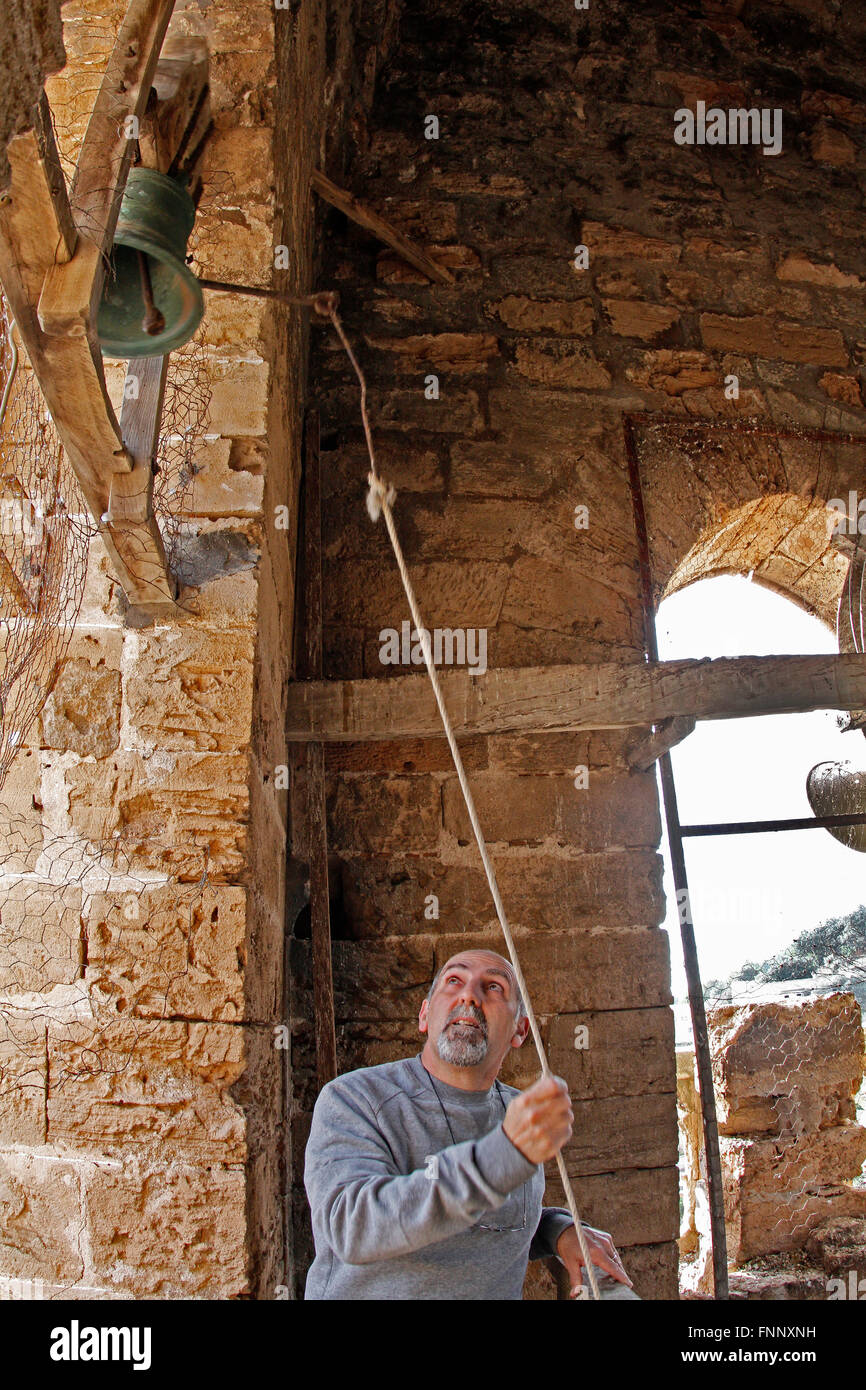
179	112
564	698
348	203
311	666
35	214
70	296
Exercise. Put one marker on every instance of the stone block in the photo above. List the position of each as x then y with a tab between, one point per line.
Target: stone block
169	950
439	352
623	1052
763	1220
618	243
764	336
633	318
168	1230
550	362
41	934
22	1080
189	690
569	596
82	713
21	812
384	896
622	1132
359	594
786	1068
637	1206
168	809
482	466
839	1246
239	403
40	1217
394	813
828	145
158	1089
223	484
675	371
798	268
611	812
842	388
569	318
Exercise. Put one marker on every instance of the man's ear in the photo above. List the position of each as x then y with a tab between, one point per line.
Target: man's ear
422	1018
520	1032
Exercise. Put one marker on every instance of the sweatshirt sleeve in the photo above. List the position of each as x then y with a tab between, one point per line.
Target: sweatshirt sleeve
367	1210
554	1220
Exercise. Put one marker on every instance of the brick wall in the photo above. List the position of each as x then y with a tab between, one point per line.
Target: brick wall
555	131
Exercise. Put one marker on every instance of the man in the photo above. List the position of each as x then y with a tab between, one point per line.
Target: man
424	1175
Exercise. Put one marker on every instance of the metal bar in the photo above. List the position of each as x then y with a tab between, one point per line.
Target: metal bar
759	827
687	933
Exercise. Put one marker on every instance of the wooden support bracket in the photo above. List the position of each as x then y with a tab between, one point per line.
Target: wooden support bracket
372	222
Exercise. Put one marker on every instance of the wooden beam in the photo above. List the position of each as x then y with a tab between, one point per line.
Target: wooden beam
371	222
130	505
311	665
565	698
647	750
179	113
70	296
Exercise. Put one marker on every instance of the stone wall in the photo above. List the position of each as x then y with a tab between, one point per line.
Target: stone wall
555	132
142	1098
31	46
786	1080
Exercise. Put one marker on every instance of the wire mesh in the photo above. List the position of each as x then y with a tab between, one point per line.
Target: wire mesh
185	416
45	531
96	949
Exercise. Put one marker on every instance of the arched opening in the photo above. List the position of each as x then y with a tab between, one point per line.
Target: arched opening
779	917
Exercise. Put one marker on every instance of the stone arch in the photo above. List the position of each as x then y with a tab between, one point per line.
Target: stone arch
739	500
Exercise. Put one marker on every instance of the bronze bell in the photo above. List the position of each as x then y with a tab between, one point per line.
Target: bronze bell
151	301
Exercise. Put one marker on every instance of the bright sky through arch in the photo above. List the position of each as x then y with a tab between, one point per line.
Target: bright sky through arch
752	894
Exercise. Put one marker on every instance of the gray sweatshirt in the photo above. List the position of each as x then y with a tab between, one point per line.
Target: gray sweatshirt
401	1210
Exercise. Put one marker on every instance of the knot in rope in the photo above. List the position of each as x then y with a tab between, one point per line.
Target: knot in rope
379	494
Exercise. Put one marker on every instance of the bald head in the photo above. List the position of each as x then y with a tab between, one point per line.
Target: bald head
498	965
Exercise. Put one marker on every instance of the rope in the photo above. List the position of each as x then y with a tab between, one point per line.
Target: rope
380	499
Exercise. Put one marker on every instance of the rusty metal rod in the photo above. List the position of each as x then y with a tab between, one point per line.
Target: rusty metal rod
759	827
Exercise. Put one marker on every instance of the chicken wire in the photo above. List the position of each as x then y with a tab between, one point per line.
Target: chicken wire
100	942
45	532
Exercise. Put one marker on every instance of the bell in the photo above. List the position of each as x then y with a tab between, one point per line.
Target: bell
151	301
838	789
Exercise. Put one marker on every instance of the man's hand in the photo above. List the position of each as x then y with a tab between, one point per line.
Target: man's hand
538	1121
602	1252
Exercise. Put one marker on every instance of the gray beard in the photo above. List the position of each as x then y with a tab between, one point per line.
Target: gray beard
461	1052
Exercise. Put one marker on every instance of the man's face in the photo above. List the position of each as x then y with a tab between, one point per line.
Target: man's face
470	1017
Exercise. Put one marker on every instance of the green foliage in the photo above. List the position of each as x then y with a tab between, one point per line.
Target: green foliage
836	944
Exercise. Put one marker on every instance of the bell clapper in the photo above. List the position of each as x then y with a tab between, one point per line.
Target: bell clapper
153	321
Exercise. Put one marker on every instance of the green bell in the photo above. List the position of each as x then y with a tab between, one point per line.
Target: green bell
151	301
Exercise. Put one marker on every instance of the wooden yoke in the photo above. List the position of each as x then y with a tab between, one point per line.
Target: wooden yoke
52	266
